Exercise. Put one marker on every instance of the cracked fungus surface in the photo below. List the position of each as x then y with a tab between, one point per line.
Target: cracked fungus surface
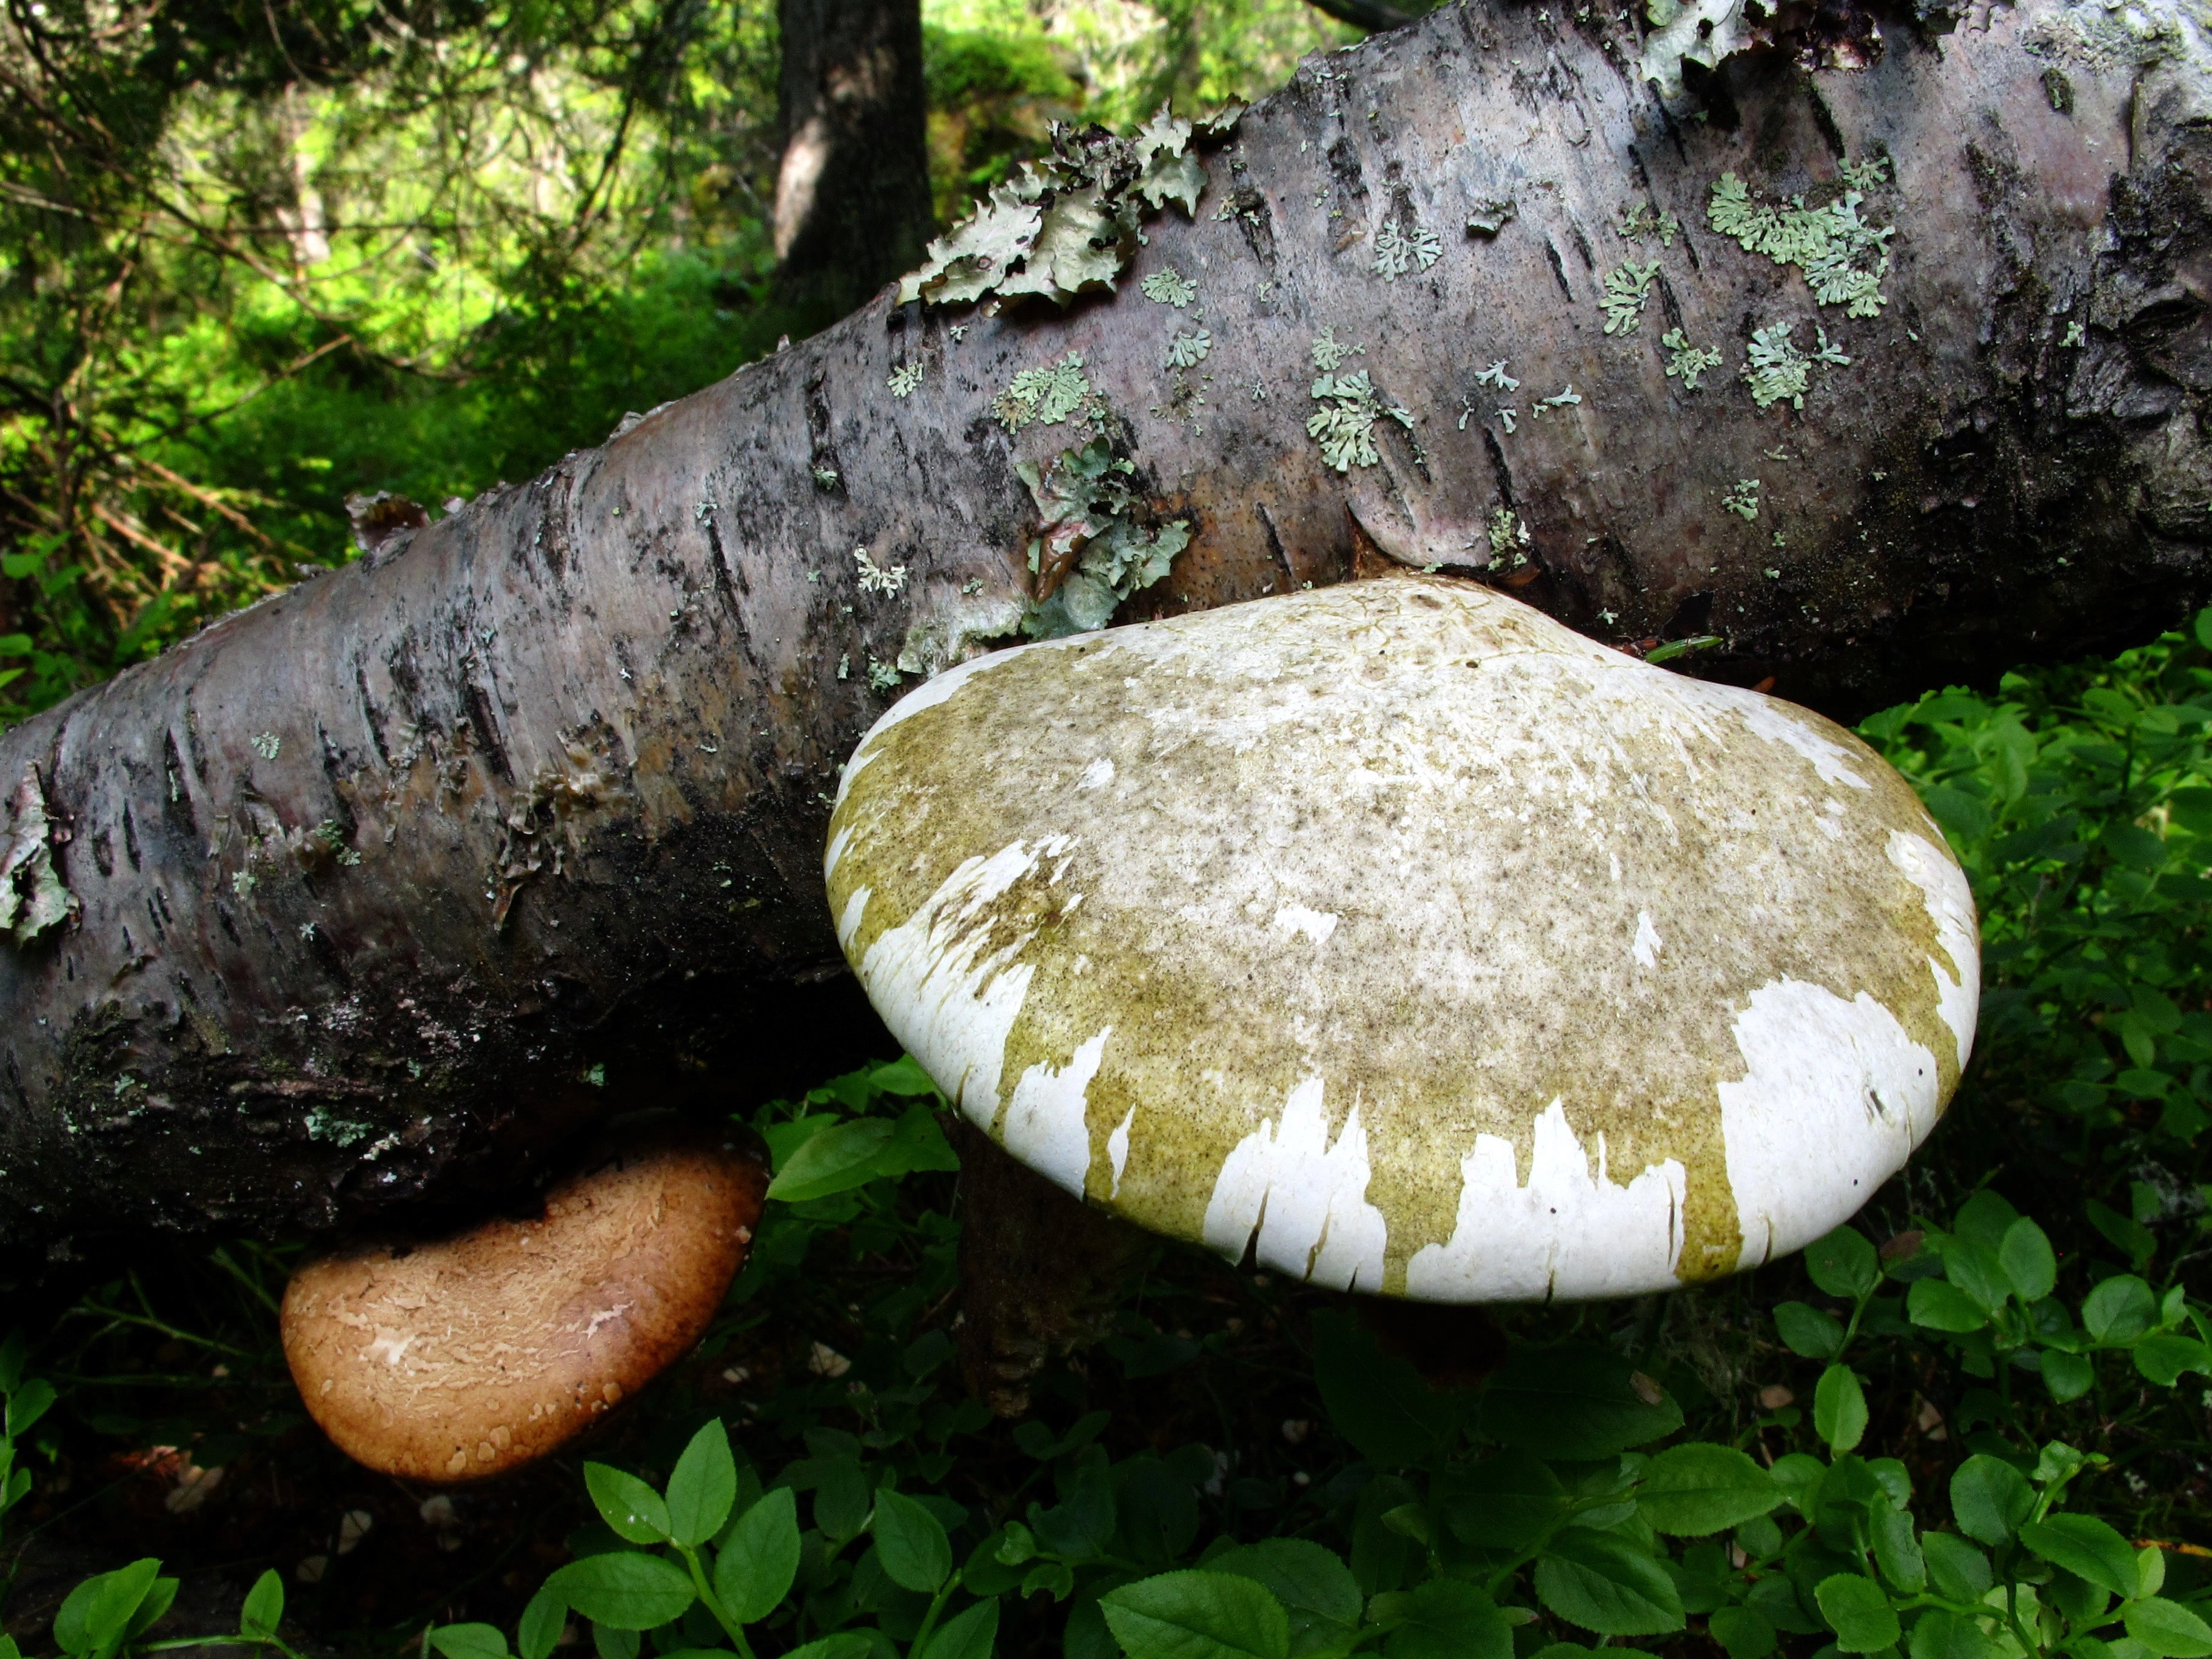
1410	942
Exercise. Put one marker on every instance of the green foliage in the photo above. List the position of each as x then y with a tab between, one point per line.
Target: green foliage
2080	801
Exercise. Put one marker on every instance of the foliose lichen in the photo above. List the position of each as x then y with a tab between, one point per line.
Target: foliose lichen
1778	369
1046	396
906	378
1169	287
1094	548
1187	350
1628	286
1069	224
1344	425
878	579
1686	361
1743	500
1398	251
1843	256
1640	220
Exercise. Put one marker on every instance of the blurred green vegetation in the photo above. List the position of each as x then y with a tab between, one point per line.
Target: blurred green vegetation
253	261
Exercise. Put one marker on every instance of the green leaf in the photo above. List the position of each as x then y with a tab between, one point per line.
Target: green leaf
2131	1238
843	1645
1194	1614
2086	1548
1857	1610
1990	1498
1698	1488
2068	1376
1450	1619
632	1510
1313	1583
624	1589
94	1617
703	1486
1958	1572
757	1564
2119	1311
1937	1634
2168	1629
1604	1584
468	1640
1805	1329
904	1078
544	1618
1377	1401
969	1634
1511	1501
1577	1402
264	1609
834	1160
1896	1549
156	1602
2029	1261
1844	1264
1937	1305
915	1553
2163	1357
1839	1409
26	1405
1743	1632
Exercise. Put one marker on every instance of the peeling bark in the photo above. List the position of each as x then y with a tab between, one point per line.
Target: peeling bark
383	879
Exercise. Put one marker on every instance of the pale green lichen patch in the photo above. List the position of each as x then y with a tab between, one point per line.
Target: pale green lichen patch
34	902
1344	425
1400	934
906	379
1399	250
1188	349
1843	256
1047	396
1095	547
1777	369
1743	499
1069	224
1169	287
1640	220
1685	361
1628	286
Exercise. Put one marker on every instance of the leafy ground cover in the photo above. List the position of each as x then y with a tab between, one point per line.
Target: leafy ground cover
1973	1424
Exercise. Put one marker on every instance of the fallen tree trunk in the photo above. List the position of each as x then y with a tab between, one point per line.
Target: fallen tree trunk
367	894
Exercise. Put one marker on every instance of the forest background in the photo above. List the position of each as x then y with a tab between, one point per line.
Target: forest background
254	262
250	266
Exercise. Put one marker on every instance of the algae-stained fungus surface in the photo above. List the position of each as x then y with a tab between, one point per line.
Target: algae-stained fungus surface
1412	941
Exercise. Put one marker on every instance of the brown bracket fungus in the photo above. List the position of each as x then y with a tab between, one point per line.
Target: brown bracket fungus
466	1357
1405	941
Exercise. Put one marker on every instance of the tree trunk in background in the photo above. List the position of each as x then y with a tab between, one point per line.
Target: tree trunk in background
388	882
851	194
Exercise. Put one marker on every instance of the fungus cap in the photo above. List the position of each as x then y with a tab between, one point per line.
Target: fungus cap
1410	942
466	1357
